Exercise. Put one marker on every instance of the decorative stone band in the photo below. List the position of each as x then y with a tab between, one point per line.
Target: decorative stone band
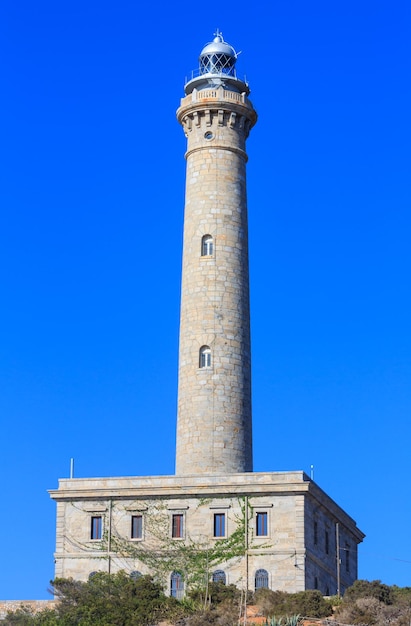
238	151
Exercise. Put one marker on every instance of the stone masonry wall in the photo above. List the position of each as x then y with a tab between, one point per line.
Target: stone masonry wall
274	552
214	402
34	606
321	560
290	554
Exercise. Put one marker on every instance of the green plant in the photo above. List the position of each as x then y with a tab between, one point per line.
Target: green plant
310	603
369	589
195	558
284	621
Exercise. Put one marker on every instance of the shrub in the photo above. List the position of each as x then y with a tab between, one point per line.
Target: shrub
309	603
366	589
216	593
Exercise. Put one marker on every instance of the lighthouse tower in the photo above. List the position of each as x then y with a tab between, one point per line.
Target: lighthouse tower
111	524
214	388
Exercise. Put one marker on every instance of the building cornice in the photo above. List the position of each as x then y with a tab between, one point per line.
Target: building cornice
250	484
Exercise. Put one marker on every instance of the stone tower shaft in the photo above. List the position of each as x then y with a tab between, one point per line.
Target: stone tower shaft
214	434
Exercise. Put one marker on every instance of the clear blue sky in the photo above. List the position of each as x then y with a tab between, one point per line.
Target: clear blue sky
91	208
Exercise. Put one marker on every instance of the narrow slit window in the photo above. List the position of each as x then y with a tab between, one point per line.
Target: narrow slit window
205	357
136	526
207	245
96	527
347	558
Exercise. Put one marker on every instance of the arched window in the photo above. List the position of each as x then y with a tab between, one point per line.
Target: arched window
205	357
177	585
219	576
261	579
135	574
91	575
207	246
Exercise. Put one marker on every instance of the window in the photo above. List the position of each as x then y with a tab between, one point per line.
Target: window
177	585
347	558
219	524
217	63
136	526
207	245
96	526
261	528
177	528
205	357
135	575
327	543
315	533
91	575
261	579
315	582
219	576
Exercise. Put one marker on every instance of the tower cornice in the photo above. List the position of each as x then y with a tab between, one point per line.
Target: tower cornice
199	103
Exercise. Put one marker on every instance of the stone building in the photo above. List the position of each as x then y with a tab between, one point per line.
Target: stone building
215	517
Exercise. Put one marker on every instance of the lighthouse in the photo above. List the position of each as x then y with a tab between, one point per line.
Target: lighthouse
283	529
214	425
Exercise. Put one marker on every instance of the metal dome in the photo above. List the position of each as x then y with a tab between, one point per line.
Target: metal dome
218	45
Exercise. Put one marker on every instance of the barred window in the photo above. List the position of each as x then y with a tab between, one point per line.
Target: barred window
219	576
261	579
177	585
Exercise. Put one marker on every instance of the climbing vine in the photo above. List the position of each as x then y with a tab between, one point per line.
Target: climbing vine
194	558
